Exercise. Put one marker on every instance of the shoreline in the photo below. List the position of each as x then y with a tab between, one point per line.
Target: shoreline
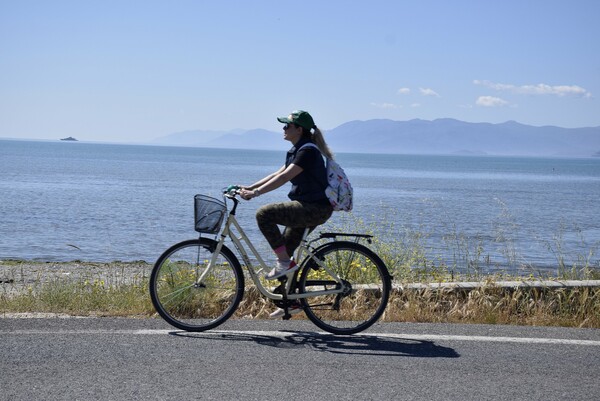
18	275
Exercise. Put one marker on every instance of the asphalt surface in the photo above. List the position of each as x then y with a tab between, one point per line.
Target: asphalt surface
130	359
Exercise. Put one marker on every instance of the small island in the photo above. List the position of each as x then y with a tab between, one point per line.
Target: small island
69	139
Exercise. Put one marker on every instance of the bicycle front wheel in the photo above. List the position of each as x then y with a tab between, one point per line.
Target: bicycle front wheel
366	285
187	293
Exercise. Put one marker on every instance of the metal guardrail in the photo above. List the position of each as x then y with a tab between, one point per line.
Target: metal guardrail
471	285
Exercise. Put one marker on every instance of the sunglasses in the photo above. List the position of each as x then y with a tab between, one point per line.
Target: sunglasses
287	126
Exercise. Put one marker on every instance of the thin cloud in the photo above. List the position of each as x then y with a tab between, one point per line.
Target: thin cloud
539	89
490	101
428	92
403	91
385	105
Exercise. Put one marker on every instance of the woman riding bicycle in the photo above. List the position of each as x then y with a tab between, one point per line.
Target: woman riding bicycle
308	205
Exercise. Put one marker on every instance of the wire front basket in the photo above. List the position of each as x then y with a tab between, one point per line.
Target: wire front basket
209	213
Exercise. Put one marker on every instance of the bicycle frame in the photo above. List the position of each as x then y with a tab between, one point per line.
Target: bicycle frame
239	242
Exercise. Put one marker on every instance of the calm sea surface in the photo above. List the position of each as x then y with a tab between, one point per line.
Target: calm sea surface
62	201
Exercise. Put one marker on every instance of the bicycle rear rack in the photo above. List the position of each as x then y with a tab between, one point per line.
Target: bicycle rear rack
357	237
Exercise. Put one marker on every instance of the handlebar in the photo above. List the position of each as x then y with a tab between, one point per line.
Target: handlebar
232	191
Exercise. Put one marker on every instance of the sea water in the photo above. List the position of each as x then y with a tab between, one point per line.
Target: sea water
62	201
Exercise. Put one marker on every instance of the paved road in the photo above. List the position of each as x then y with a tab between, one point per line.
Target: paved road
128	359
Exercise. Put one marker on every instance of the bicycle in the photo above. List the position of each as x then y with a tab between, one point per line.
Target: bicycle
196	285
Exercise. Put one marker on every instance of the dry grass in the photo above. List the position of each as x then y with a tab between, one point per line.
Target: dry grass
121	289
489	304
570	307
75	288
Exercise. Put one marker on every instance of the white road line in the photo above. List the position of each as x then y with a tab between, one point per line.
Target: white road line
286	334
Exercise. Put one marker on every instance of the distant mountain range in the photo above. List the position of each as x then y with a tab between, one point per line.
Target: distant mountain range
442	136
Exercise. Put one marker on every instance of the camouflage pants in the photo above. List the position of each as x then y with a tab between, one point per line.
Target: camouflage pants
295	216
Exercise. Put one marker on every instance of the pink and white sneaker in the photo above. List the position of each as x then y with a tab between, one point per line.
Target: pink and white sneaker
281	269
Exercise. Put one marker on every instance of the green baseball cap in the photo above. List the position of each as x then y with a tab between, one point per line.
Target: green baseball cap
299	117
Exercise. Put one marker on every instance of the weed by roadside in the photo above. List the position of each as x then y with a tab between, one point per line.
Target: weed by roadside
76	288
121	289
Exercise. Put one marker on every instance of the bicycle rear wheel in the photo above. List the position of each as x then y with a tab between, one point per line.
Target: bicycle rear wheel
367	285
184	301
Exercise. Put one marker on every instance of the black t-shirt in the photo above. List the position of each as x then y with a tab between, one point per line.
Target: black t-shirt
310	184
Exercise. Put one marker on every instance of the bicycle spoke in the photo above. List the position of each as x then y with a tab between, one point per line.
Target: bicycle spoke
365	282
185	302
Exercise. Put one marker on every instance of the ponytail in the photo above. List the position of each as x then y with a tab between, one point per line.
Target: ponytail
319	140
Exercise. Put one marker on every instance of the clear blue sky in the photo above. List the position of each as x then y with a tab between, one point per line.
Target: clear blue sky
135	70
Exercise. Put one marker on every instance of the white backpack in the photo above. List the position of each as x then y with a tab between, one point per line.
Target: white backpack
339	190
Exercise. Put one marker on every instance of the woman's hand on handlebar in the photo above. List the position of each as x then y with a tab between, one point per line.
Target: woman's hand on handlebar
248	194
244	192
